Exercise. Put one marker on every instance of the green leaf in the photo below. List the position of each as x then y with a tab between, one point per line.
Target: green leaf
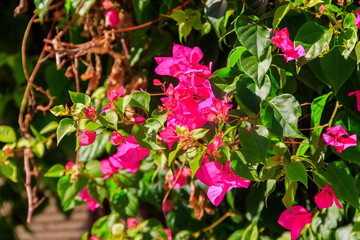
357	51
93	168
39	149
122	103
85	8
317	107
80	98
108	119
67	191
281	12
145	134
125	203
340	69
97	189
349	21
55	171
289	197
7	134
51	126
249	95
92	126
253	36
173	154
270	188
234	56
349	39
313	38
296	172
42	7
10	171
195	163
141	100
244	162
199	133
342	182
59	110
280	115
178	16
257	139
66	125
96	149
223	81
256	69
251	232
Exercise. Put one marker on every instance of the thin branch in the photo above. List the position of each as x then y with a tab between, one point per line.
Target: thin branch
62	32
29	194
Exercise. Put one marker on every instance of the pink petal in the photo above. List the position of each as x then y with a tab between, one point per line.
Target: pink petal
299	224
87	137
328	139
131	151
164	64
286	219
357	21
337	131
112	17
295	53
209	173
216	194
131	223
325	198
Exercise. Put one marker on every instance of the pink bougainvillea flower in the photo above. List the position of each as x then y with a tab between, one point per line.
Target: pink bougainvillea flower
107	169
168	233
107	4
131	223
296	220
181	181
157	82
116	138
338	141
326	198
129	155
169	135
84	195
294	53
357	21
166	206
321	8
281	40
69	165
220	180
95	238
357	92
214	145
90	112
112	18
87	137
112	97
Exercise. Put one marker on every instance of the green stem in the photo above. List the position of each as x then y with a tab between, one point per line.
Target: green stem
334	113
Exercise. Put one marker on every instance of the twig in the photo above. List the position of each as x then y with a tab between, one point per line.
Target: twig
62	32
29	194
313	128
217	222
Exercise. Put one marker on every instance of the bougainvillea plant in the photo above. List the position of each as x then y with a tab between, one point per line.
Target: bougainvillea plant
213	120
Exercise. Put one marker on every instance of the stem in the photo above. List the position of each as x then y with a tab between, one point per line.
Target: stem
334	113
62	32
217	222
29	194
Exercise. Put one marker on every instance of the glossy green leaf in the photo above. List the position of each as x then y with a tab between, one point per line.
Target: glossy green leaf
289	197
108	119
340	69
42	7
145	134
357	51
281	12
313	38
256	69
234	56
7	134
223	81
257	139
255	37
56	170
199	133
317	107
296	171
93	168
85	8
347	41
123	102
140	99
51	126
94	150
342	182
280	116
244	162
67	191
249	95
66	125
9	170
173	154
60	110
80	98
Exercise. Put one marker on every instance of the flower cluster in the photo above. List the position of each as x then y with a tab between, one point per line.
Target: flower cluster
192	103
338	140
282	41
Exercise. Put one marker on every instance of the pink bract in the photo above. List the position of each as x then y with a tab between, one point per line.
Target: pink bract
87	137
181	181
337	140
131	223
107	4
326	198
90	112
357	95
129	155
84	195
69	165
168	233
220	180
281	40
107	169
321	8
296	220
357	21
116	138
112	18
